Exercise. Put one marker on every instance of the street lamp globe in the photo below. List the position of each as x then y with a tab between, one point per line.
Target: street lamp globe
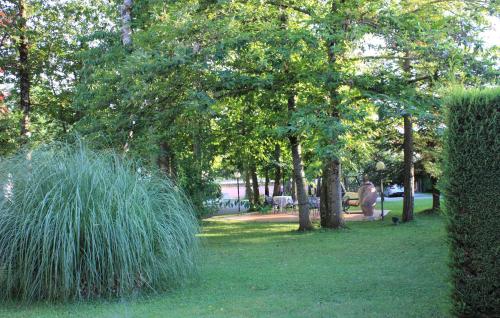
380	166
237	174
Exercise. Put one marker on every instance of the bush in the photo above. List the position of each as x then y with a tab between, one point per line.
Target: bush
76	224
471	188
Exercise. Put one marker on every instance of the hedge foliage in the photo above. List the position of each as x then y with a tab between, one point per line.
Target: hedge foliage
472	195
78	224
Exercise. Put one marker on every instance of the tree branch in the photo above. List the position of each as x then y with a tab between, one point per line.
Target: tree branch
381	57
289	6
434	77
4	37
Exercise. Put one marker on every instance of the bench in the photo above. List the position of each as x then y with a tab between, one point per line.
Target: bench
349	200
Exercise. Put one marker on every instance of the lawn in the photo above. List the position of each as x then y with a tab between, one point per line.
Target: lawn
371	269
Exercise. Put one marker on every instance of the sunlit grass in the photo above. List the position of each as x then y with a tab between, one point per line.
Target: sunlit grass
371	269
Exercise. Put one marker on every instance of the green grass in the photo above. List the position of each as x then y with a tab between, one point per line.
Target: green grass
372	269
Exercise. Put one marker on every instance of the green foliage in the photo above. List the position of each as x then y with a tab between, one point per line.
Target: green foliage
472	172
77	224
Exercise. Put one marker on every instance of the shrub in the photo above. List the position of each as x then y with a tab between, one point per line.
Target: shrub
472	188
77	224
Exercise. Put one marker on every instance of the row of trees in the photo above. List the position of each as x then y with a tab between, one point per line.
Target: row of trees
203	88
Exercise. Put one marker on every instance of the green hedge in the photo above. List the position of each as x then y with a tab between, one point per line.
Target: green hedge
472	194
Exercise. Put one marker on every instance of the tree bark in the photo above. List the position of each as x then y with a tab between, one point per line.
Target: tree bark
299	176
331	213
277	171
255	185
126	15
408	177
24	72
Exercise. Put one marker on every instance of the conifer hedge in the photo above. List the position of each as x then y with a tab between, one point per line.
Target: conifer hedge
472	196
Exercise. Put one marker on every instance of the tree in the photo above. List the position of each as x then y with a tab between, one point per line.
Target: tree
126	16
419	46
24	71
408	180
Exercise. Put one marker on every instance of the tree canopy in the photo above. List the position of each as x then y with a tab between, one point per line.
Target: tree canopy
203	88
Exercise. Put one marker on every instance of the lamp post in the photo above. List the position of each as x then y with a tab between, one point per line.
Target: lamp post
237	175
380	166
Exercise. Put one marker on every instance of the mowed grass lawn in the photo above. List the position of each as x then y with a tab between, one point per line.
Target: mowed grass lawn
372	269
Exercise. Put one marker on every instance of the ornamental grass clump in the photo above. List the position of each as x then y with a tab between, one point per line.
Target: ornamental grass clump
79	224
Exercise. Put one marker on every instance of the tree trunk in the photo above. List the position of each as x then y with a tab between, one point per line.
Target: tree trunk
166	160
197	150
331	213
436	202
299	176
126	15
248	187
266	184
24	72
277	171
318	187
408	178
255	185
294	190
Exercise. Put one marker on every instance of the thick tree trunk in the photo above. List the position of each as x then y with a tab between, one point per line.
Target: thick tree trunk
277	171
408	177
255	185
299	176
294	191
436	200
331	213
24	72
126	15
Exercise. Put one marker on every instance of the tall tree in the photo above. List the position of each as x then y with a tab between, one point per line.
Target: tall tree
408	174
299	176
409	169
331	193
126	17
24	71
298	182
